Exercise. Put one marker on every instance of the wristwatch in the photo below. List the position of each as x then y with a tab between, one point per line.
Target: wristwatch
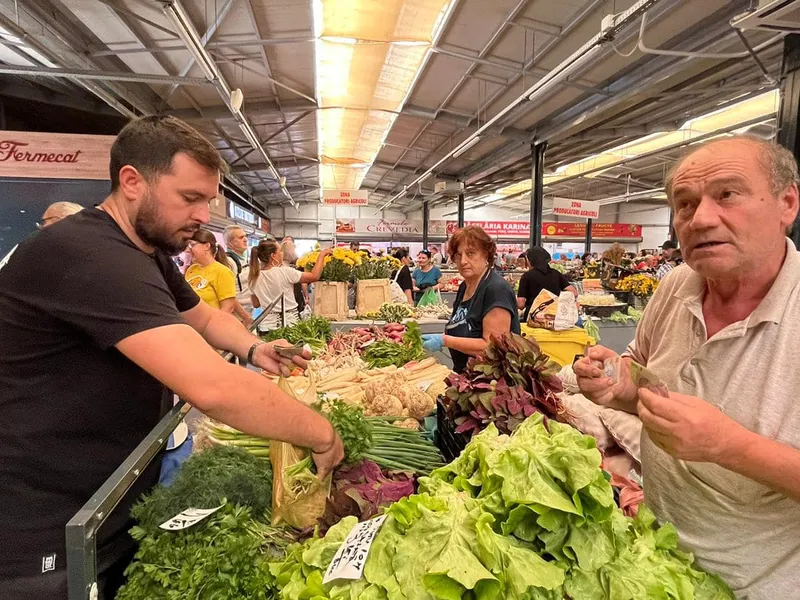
252	351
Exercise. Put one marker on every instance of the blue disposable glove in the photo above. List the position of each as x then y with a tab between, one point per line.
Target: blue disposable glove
433	342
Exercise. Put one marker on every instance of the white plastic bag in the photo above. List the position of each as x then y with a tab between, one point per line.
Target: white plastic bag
566	313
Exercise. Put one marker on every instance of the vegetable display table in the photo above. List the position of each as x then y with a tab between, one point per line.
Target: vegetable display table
425	325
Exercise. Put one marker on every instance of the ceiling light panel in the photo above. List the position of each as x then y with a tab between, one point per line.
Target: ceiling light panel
368	55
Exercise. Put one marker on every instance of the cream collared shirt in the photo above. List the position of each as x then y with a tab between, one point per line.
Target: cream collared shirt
737	528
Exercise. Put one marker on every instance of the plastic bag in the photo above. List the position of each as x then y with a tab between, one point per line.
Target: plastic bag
543	311
298	495
566	312
431	296
397	293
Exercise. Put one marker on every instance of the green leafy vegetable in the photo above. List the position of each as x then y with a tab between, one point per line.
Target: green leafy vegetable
395	312
591	329
529	516
351	425
225	557
206	480
385	353
314	331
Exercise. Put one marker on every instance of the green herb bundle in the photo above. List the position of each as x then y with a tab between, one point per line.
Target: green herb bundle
225	557
206	480
385	353
314	331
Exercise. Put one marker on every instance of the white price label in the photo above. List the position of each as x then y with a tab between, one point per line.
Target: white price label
189	517
424	385
350	558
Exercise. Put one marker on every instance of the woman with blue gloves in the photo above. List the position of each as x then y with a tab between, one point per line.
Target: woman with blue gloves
485	305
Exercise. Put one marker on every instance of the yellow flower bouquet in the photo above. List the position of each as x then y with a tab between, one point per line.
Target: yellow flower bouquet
339	264
376	268
640	285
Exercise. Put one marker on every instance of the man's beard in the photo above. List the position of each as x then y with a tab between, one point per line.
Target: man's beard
150	227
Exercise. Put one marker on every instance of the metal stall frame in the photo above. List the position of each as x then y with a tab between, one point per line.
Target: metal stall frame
81	530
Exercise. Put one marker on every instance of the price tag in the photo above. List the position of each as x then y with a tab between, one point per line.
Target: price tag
424	385
189	517
350	558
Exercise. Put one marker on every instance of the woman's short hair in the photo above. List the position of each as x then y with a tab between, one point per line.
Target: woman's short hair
475	236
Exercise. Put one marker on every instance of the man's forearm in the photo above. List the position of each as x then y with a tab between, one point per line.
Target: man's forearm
225	332
771	463
253	404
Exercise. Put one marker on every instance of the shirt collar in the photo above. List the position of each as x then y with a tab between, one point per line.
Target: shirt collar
771	308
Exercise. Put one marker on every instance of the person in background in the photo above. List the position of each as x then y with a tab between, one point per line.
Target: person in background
52	214
90	345
355	246
236	243
540	276
270	278
667	263
426	275
437	258
648	263
586	259
403	274
209	274
289	251
57	211
484	305
721	454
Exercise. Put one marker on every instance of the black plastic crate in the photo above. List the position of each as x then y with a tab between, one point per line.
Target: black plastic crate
450	443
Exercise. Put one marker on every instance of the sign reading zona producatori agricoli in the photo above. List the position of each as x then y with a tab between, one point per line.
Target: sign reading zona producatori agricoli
345	197
54	155
568	207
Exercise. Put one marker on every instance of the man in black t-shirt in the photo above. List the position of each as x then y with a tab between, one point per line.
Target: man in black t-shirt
95	322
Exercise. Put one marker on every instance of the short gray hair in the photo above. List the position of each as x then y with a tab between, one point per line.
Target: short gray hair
63	209
227	235
779	164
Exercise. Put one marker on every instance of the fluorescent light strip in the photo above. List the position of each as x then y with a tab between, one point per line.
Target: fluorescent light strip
466	146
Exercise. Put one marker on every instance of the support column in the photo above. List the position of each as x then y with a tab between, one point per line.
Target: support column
790	107
587	244
460	210
426	217
537	191
673	237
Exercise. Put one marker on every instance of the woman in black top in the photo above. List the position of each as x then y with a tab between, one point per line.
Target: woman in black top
403	276
484	306
541	276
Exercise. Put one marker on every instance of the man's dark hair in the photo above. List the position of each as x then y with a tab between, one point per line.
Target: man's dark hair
401	254
150	143
669	245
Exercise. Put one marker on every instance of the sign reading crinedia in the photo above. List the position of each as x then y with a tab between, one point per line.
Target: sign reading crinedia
345	197
54	155
568	207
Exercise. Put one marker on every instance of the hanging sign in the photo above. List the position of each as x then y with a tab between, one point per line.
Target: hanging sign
54	155
345	197
237	213
568	207
389	226
522	229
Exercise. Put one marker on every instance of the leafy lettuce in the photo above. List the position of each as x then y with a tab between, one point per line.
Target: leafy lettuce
529	516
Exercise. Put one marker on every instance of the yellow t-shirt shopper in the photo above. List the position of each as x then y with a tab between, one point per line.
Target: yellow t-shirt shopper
208	275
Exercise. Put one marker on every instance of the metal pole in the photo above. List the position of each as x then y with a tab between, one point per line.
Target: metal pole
673	237
460	210
790	107
587	244
537	191
426	216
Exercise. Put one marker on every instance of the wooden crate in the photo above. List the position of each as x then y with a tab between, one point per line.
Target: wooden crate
330	300
371	294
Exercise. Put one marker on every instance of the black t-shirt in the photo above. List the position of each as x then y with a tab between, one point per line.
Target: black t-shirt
534	281
404	279
72	407
467	320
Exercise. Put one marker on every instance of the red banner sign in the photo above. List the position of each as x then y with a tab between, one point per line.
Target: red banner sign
565	230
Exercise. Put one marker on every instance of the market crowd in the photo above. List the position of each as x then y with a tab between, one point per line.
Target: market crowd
91	344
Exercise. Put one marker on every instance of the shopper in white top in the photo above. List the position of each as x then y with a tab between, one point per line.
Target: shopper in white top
720	456
270	278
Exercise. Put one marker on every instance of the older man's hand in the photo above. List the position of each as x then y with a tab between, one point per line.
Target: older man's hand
686	427
600	389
